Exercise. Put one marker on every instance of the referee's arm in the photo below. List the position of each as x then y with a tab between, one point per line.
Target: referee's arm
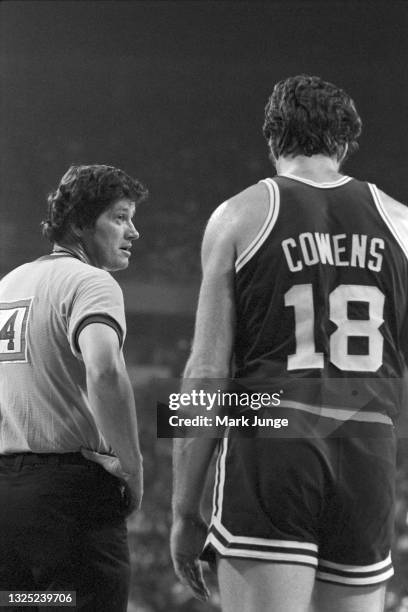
111	399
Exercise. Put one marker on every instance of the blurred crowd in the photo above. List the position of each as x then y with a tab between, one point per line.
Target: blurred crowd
185	186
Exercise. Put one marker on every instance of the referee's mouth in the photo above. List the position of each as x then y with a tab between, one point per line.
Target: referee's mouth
127	250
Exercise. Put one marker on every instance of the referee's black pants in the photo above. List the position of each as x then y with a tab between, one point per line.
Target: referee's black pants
62	528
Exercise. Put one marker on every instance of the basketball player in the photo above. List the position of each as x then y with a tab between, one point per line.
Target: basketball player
304	281
70	464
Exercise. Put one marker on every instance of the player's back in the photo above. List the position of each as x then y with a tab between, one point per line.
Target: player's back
322	295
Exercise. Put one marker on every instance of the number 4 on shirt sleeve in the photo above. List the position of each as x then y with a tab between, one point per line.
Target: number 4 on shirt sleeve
13	330
7	332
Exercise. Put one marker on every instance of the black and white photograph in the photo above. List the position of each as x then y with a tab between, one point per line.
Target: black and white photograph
204	305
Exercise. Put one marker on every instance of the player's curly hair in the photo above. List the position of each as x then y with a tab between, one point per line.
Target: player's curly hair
307	116
83	194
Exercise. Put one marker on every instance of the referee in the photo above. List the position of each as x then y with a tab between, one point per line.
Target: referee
70	464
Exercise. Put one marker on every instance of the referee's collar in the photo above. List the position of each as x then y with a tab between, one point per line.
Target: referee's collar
73	251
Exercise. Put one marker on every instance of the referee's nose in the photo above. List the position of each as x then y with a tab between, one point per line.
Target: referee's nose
133	233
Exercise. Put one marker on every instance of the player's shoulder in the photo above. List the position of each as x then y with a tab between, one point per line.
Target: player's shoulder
236	222
245	201
247	206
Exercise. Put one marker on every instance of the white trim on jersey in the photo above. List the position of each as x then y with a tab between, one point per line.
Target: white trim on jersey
262	235
328	185
340	414
386	216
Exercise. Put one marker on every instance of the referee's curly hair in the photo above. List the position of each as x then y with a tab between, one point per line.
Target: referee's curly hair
308	116
83	194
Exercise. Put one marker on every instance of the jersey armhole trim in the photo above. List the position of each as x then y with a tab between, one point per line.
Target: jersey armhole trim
386	218
97	318
262	235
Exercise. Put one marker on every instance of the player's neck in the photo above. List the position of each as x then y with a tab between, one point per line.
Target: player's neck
318	168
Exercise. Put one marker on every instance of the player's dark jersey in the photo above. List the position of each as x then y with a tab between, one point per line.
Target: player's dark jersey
321	299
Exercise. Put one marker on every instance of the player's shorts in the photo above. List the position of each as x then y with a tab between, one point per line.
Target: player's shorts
326	503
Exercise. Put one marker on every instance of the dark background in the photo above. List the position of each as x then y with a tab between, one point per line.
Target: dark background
173	93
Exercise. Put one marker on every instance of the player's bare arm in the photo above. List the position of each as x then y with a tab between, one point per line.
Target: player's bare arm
210	359
111	398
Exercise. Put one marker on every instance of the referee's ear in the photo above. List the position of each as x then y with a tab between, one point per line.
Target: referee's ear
76	231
